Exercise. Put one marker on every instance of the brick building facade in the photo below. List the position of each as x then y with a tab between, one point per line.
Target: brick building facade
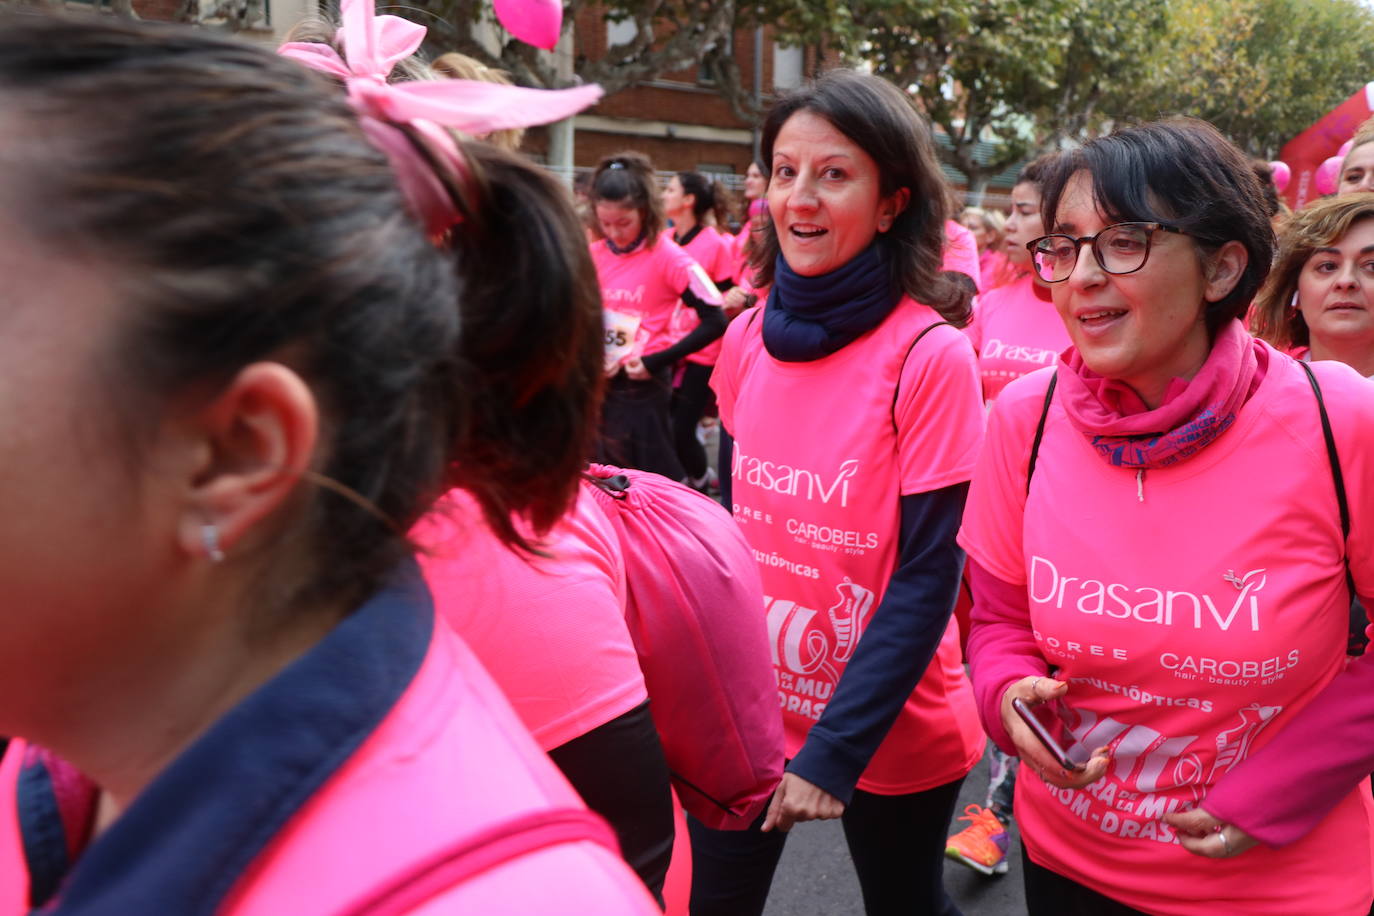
678	119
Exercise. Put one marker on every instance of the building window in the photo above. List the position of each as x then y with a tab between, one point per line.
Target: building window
715	47
787	66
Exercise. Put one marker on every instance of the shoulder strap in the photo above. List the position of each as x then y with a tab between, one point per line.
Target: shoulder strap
1040	430
1355	639
1337	477
481	852
897	389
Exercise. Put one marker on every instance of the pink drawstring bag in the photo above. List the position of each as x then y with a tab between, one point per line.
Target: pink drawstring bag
695	613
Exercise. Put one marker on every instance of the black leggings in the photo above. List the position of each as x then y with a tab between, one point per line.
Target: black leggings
619	770
635	430
1049	893
897	843
689	405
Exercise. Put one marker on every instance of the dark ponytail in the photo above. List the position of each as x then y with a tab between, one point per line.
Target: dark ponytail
703	191
530	366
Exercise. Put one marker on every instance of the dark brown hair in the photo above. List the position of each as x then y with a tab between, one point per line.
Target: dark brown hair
532	323
709	196
1322	224
248	218
627	180
1182	172
878	118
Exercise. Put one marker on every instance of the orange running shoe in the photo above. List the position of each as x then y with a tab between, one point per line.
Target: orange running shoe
982	845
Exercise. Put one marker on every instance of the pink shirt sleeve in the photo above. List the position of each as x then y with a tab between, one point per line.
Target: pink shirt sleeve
681	271
961	252
1284	789
991	532
939	413
1001	647
723	378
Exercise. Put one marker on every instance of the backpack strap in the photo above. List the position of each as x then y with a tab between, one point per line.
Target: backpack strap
1356	641
1040	430
897	389
480	852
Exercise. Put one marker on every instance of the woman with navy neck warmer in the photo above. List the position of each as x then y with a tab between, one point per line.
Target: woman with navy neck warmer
852	412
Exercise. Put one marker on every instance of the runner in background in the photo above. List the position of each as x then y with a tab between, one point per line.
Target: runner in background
1015	330
989	232
1164	614
755	186
961	254
690	200
237	698
644	277
1357	169
855	418
1319	301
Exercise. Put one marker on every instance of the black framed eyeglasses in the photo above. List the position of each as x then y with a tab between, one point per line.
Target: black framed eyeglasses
1121	248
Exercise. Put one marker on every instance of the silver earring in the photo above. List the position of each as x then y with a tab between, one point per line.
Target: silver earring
209	536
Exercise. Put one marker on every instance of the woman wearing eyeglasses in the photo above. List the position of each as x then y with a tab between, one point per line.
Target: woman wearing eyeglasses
1162	613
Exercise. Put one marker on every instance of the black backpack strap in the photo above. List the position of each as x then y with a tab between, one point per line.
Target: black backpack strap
897	389
1040	430
1357	641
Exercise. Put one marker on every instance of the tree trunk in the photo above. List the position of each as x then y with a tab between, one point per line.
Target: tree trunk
561	133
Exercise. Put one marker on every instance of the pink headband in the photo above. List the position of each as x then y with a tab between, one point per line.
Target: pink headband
373	45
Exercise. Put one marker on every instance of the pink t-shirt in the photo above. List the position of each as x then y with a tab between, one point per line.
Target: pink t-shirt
997	269
550	630
640	293
714	253
1015	331
1193	612
961	252
824	451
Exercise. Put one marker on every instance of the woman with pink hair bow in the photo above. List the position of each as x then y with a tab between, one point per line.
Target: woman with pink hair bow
235	358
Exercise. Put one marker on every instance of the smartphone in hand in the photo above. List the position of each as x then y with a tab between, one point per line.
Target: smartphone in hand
1027	714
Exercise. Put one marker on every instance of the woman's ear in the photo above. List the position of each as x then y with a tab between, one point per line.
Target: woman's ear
252	444
1224	270
890	207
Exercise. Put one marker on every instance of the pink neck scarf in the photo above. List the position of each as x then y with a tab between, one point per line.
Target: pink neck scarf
1126	433
373	45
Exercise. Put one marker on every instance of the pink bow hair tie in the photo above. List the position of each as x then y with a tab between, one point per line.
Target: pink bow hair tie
373	45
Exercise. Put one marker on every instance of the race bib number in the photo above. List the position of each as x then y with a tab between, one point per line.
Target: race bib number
621	333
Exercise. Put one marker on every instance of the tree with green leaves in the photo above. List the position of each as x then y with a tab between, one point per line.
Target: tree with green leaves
1262	71
668	35
1018	75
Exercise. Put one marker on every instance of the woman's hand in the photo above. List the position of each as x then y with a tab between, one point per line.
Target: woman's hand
734	301
1204	835
1036	690
797	800
634	368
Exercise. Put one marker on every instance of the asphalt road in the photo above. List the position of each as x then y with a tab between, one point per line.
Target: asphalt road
816	878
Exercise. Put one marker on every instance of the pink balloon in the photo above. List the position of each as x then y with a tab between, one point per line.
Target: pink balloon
1325	178
1282	175
536	22
1345	148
